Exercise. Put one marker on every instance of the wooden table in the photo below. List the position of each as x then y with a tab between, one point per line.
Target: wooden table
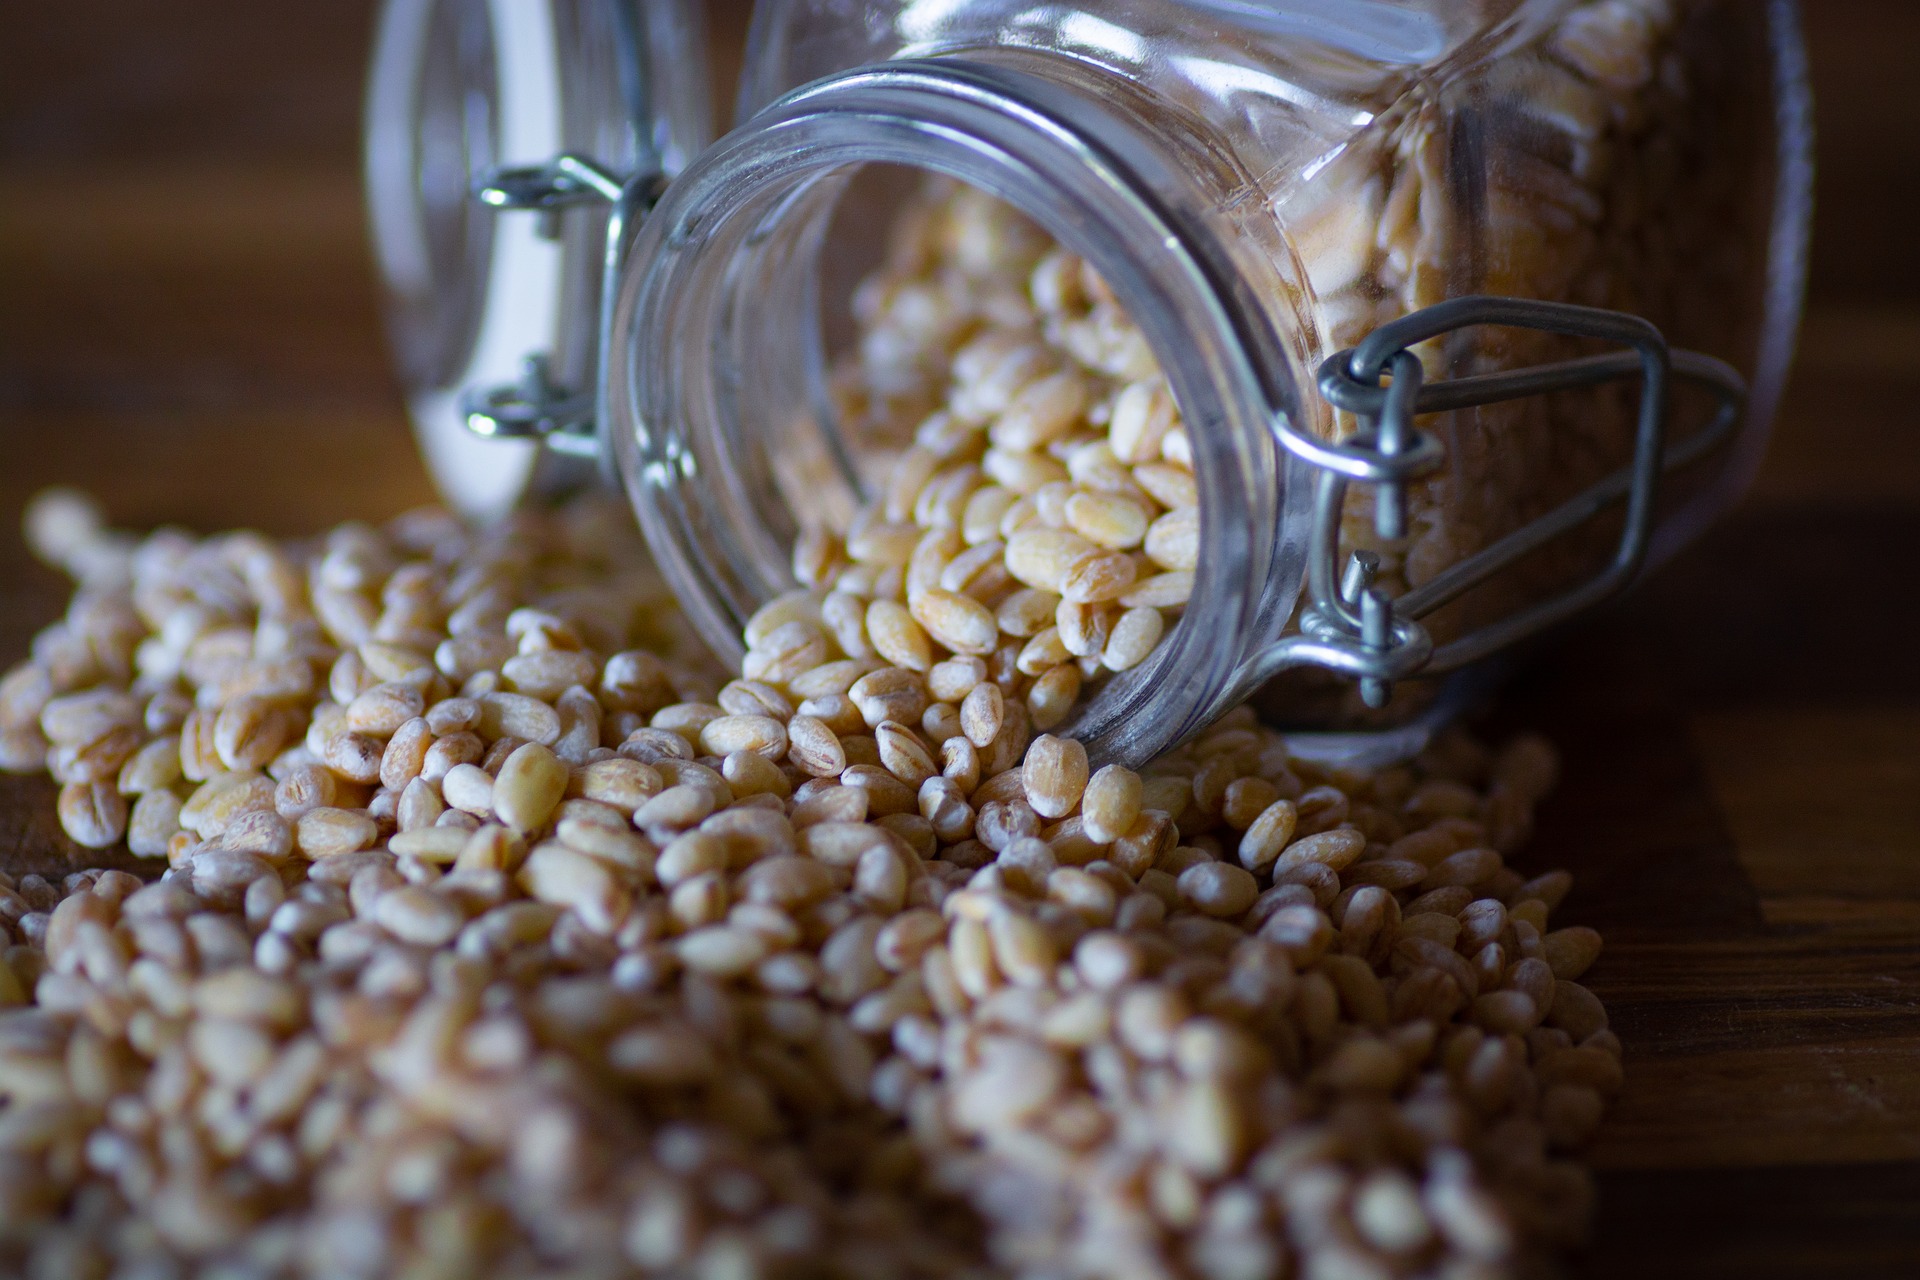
187	328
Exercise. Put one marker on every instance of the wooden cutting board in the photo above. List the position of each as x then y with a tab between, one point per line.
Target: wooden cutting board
187	328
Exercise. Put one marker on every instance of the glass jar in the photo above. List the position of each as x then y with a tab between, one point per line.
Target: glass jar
553	107
1291	200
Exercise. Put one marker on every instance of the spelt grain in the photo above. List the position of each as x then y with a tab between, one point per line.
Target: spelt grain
1054	775
1571	952
93	814
1218	888
467	788
1111	803
1051	699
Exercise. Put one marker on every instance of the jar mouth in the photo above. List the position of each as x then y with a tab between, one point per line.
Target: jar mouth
715	327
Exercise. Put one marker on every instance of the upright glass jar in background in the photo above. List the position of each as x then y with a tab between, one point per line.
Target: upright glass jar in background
1259	186
488	305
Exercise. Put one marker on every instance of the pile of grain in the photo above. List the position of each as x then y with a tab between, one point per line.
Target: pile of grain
492	941
498	933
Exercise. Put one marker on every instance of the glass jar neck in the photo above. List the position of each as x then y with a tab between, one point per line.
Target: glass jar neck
716	345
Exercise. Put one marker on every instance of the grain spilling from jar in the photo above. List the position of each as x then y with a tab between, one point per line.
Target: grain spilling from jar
585	958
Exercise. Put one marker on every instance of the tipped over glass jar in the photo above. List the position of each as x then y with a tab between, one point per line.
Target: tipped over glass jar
1173	352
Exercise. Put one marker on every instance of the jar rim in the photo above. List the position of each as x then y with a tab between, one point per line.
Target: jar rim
1106	187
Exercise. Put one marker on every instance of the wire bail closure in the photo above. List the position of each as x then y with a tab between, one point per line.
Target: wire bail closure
535	408
565	418
1352	627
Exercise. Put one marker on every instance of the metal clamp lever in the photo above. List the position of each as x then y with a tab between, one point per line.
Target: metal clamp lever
1351	626
563	181
535	407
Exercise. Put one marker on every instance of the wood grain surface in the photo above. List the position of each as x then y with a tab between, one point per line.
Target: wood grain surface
188	329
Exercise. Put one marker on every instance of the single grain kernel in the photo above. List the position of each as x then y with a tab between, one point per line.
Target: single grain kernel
897	637
1219	888
1054	775
959	622
1173	540
761	734
1111	803
93	814
1111	520
1043	558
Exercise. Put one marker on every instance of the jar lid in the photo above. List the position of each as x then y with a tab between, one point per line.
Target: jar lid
492	280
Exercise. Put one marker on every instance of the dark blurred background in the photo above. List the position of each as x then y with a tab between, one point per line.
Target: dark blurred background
181	233
188	321
188	329
182	240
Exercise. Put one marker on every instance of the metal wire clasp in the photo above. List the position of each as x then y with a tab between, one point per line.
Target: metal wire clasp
535	407
1351	626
